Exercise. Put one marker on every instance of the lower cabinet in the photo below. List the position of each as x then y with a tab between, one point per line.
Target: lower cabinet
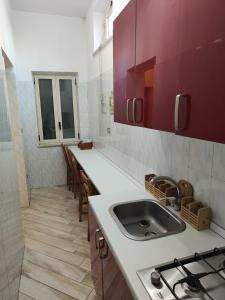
108	280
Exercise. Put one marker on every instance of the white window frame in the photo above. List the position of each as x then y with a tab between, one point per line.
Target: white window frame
57	111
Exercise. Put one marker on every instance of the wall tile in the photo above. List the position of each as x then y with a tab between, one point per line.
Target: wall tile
217	202
202	185
201	155
219	162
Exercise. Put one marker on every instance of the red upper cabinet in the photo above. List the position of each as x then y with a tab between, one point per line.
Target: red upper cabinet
123	60
169	60
201	74
157	30
157	35
145	44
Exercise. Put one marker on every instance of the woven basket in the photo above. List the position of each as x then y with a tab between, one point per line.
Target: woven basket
162	190
195	213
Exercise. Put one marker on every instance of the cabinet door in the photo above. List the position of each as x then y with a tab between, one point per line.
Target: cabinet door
160	107
96	263
157	30
157	39
202	68
114	284
123	61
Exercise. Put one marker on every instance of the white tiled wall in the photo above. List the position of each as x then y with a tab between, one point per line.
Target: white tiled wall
11	239
140	151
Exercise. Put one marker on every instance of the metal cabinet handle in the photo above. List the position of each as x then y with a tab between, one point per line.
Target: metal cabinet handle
179	97
103	248
97	232
127	111
135	110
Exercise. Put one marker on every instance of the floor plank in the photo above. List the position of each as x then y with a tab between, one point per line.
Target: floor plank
56	281
57	255
55	232
50	240
25	297
35	290
34	212
54	252
52	211
54	265
54	224
56	205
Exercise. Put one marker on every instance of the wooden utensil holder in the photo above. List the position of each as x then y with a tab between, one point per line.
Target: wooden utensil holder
195	213
85	145
163	190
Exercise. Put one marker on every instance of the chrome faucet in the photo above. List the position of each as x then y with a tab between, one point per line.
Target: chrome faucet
175	202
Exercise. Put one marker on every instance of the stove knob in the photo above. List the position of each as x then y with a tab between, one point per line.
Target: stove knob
155	278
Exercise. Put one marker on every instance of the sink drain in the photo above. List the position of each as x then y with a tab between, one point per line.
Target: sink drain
150	233
144	223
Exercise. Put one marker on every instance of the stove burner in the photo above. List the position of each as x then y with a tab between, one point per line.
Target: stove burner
193	284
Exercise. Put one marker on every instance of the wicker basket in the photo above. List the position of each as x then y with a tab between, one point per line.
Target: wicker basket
162	190
85	145
195	213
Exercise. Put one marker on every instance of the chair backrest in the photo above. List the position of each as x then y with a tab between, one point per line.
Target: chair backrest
75	167
87	185
65	149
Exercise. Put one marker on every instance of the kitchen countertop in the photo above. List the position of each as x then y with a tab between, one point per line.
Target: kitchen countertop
132	255
105	175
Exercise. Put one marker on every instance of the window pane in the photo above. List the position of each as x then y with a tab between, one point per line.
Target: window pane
47	109
66	95
5	133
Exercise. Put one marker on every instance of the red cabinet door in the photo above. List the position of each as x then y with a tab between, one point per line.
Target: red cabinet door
124	60
202	68
157	30
96	263
114	284
157	39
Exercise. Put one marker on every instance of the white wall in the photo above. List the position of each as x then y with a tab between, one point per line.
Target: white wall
49	43
6	36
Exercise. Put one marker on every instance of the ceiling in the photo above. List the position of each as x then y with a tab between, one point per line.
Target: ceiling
71	8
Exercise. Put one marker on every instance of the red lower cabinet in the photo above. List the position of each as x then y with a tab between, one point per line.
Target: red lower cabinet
96	264
108	280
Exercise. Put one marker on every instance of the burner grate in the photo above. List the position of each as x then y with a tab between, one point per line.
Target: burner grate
193	280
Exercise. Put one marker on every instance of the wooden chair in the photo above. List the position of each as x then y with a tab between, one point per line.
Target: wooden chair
69	167
87	190
76	175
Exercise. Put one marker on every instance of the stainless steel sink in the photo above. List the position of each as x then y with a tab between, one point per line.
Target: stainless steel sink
145	219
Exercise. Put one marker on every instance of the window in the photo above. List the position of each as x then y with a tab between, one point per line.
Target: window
102	23
57	113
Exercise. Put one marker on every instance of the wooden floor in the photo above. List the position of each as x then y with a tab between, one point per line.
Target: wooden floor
56	262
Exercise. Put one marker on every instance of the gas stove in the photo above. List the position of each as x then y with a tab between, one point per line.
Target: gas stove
198	277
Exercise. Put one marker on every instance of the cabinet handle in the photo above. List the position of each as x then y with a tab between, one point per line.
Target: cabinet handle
127	112
135	110
179	97
103	248
97	232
